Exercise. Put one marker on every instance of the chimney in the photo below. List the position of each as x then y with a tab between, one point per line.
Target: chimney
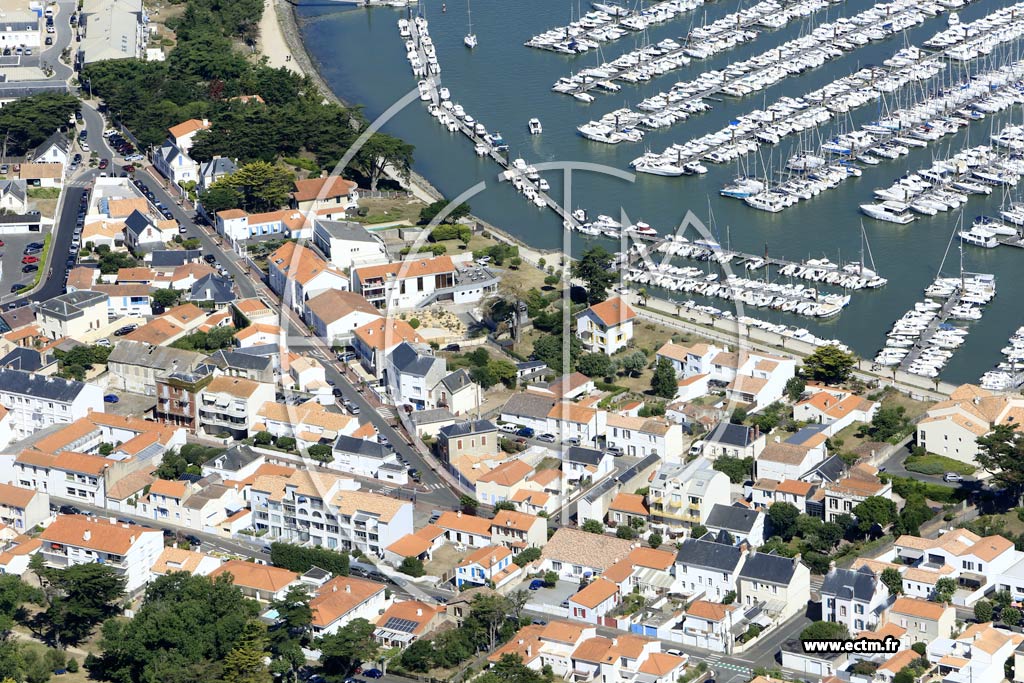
459	513
334	588
348	588
87	535
419	611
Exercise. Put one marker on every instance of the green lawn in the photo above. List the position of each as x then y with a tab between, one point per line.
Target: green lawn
936	464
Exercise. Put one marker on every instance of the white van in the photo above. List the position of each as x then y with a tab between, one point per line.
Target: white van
509	428
696	447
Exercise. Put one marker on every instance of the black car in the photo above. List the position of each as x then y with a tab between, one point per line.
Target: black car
193	540
29	268
121	331
49	40
17	287
209	258
34	245
69	510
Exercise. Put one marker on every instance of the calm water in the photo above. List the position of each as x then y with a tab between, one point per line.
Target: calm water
502	84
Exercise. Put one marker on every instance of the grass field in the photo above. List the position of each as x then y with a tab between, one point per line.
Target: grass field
936	464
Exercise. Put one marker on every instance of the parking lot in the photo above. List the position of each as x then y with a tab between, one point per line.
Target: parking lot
556	595
13	250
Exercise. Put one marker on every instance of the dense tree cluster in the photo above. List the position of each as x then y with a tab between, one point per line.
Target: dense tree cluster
300	559
28	121
204	77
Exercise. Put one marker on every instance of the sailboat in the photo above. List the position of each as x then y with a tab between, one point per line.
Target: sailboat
470	39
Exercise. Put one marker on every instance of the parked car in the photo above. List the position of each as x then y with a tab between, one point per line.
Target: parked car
528	432
69	510
536	584
453	347
509	428
547	438
193	540
373	673
209	258
104	163
111	398
30	259
29	268
615	451
127	329
572	441
952	477
31	245
102	341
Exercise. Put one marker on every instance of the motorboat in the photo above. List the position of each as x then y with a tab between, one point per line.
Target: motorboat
535	127
882	212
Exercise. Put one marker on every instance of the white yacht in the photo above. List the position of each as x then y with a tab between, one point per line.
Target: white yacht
600	133
470	39
742	187
884	213
979	237
535	127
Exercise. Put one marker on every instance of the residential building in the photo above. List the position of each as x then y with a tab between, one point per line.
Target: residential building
407	284
766	492
854	598
238	226
55	149
574	554
35	401
573	420
335	314
366	458
780	585
178	393
736	441
411	375
951	428
606	327
213	170
528	409
463	530
260	582
325	192
682	496
458	393
792	458
297	274
110	29
741	523
502	482
518	530
129	550
924	621
174	559
627	509
23	509
135	366
324	509
753	379
708	570
213	289
172	159
593	601
474	439
978	655
586	463
348	245
976	562
407	621
79	315
860	483
143	233
835	407
689	361
343	599
488	566
708	625
230	405
374	341
643	436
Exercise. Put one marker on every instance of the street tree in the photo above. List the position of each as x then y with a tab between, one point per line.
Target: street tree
829	364
594	267
874	511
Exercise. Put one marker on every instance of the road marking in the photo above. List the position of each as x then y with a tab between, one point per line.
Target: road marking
386	491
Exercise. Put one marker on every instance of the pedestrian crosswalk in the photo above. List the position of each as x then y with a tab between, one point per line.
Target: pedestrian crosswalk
386	413
715	660
437	486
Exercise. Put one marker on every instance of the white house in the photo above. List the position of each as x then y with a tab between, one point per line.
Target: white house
297	274
708	570
411	375
743	524
347	244
689	361
405	284
345	598
488	566
335	314
172	159
682	496
595	600
130	550
794	457
834	407
22	509
36	402
780	585
55	149
854	598
606	327
978	655
951	428
643	436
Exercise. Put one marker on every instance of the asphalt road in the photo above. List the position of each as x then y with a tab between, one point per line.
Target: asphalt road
433	490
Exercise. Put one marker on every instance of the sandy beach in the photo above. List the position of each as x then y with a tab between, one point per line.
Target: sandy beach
272	43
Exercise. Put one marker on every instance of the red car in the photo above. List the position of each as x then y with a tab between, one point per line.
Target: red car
30	259
1	243
104	163
128	168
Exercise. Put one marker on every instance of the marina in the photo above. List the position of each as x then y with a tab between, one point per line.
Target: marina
827	226
1008	375
650	61
607	23
923	341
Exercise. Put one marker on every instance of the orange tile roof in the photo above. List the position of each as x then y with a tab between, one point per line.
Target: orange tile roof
174	559
122	208
335	304
81	462
230	214
652	558
794	487
258	576
171	489
420	613
469	524
157	332
409	268
136	274
562	631
918	608
15	496
410	545
711	611
327	188
186	127
898	661
184	314
595	593
386	333
103	535
593	650
613	311
630	503
339	596
238	387
661	663
572	412
507	473
512	519
525	644
487	557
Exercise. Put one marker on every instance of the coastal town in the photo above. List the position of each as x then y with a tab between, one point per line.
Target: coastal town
265	416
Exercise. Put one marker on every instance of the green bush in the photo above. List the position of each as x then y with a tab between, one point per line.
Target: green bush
300	559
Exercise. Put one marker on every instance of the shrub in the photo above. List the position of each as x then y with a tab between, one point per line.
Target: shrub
412	566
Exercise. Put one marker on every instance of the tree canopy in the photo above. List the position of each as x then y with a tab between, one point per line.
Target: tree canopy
594	267
829	364
1001	452
663	381
28	121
